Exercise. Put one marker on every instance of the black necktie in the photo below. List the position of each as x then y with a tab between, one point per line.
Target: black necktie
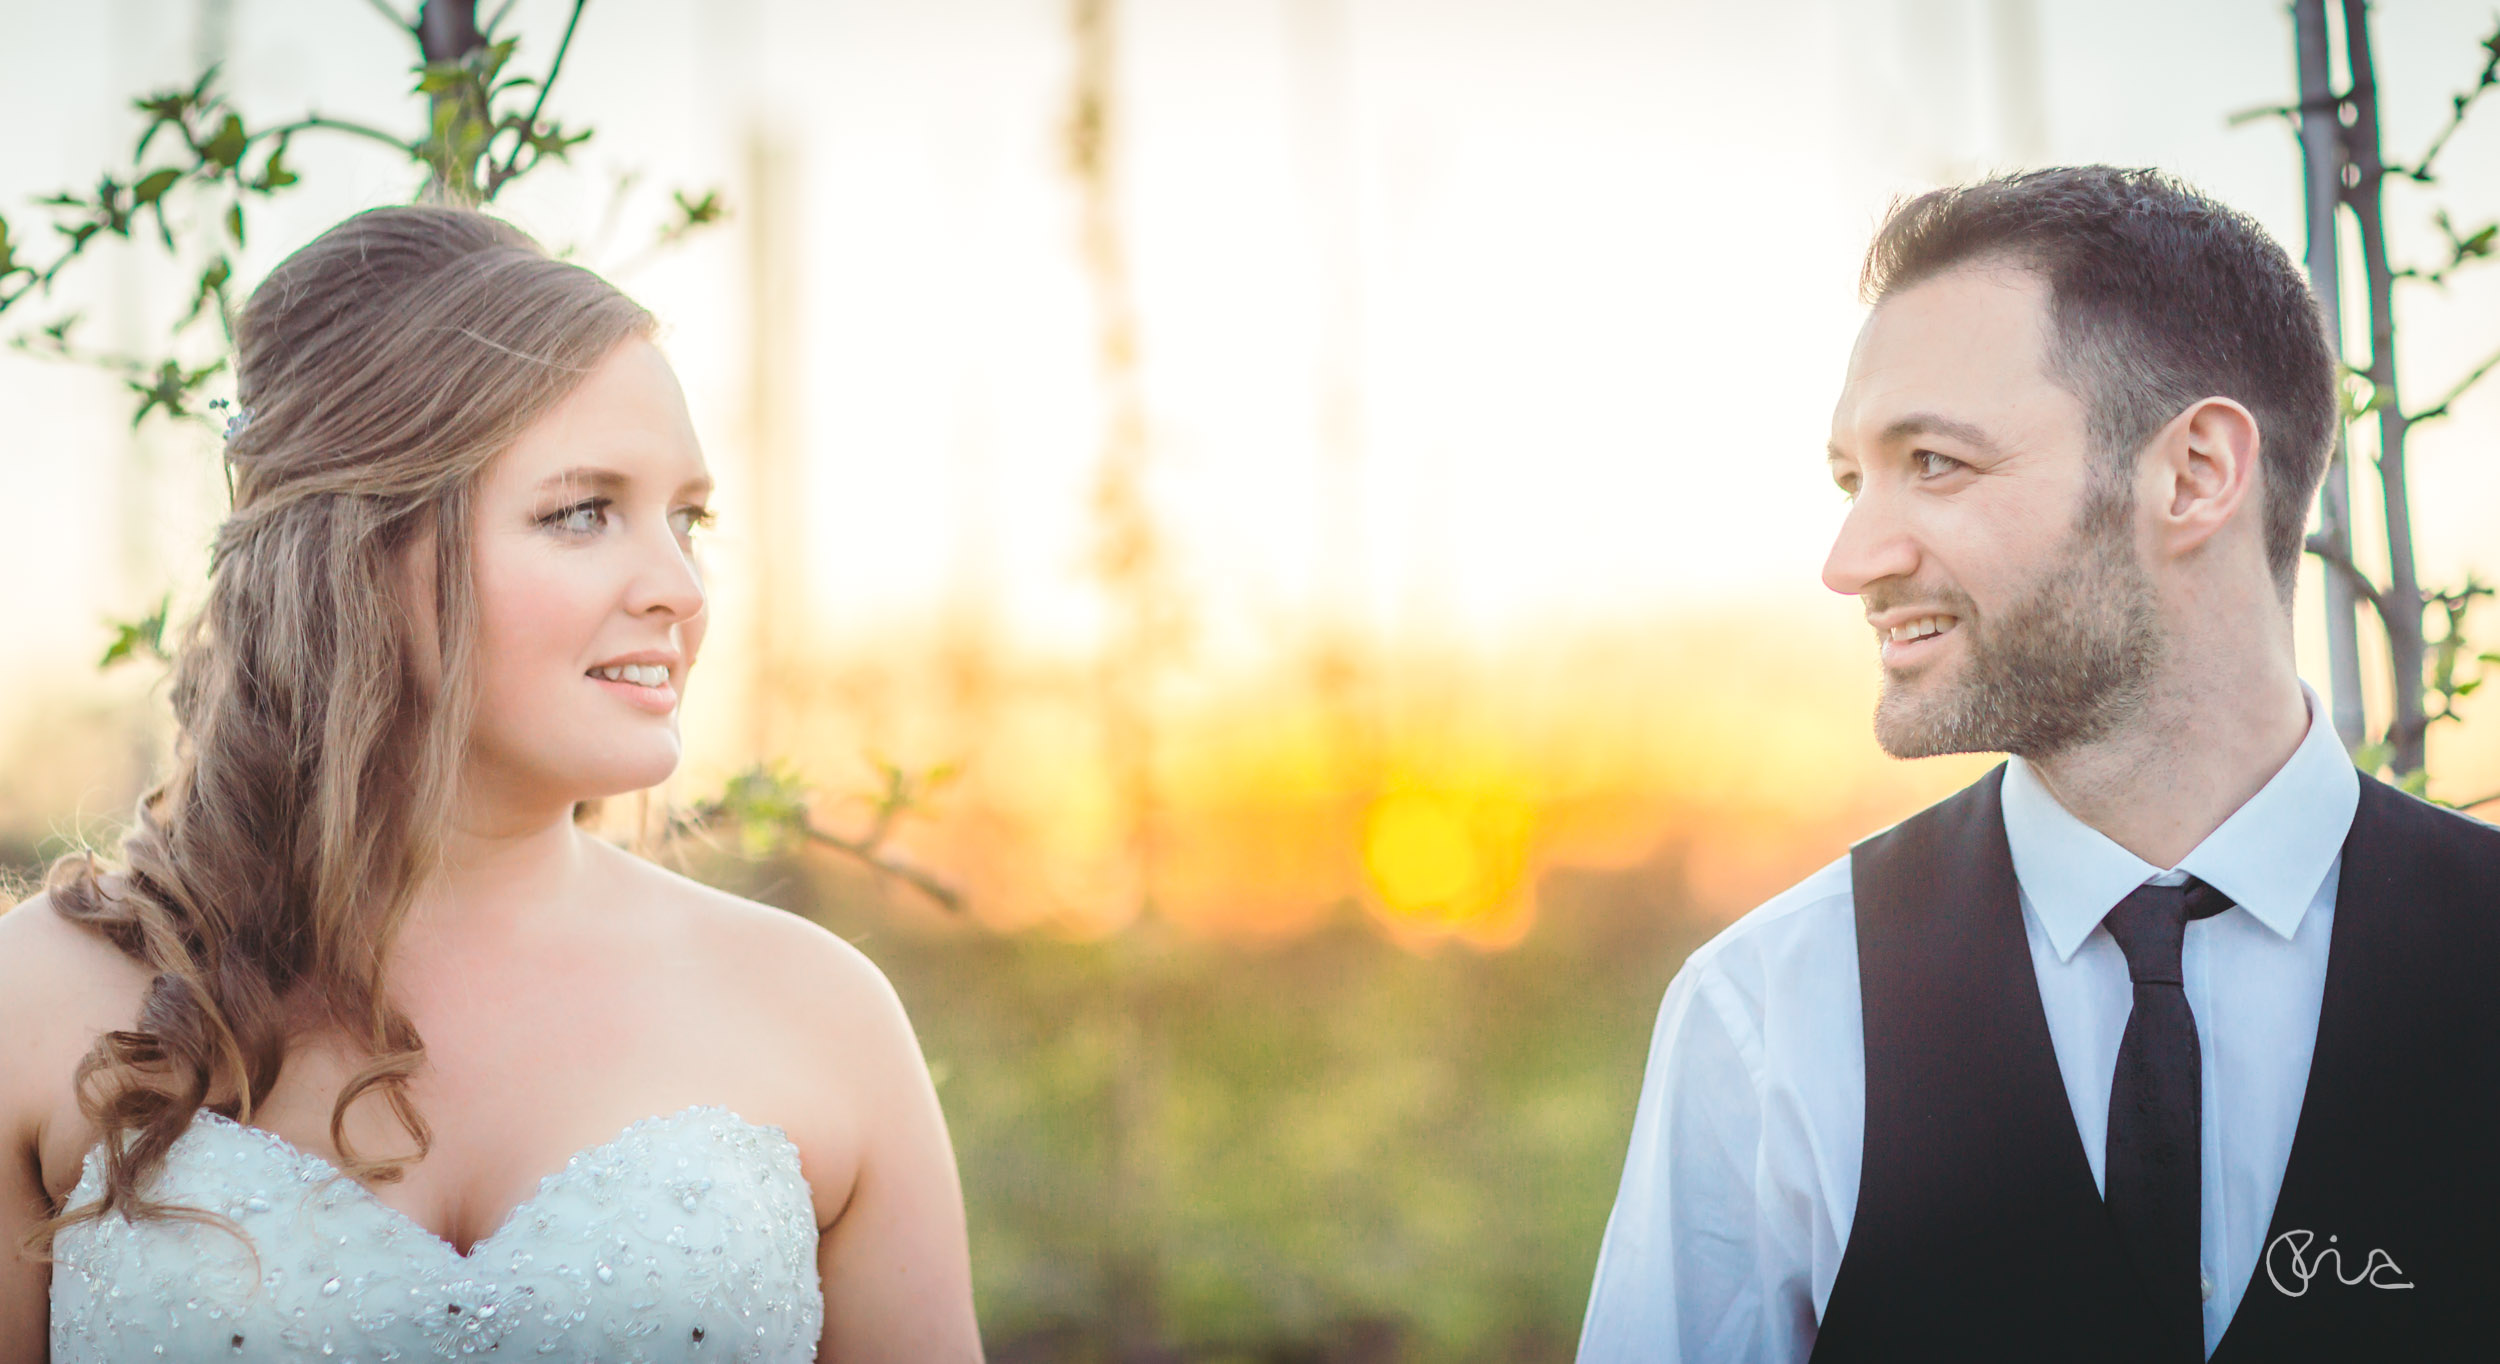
2152	1173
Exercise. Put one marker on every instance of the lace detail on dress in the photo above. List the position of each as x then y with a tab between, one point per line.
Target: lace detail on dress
688	1236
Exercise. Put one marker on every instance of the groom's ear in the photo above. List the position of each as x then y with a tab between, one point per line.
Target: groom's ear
2199	478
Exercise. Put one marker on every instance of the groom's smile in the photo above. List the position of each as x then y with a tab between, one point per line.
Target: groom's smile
1910	640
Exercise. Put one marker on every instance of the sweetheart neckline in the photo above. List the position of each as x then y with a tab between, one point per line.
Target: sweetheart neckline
287	1150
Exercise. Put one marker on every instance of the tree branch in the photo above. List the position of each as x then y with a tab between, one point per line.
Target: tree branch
2457	107
2449	399
35	281
2493	798
2335	558
2464	249
403	24
769	802
865	852
337	125
41	280
496	176
2283	111
59	348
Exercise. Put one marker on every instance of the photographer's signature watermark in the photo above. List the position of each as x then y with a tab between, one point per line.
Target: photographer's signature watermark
2290	1257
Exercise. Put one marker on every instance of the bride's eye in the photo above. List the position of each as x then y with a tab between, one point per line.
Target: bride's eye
688	520
586	517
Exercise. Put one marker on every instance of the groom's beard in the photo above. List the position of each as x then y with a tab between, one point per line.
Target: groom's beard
2065	665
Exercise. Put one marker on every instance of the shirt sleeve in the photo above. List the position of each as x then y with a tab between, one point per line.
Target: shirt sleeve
1700	1263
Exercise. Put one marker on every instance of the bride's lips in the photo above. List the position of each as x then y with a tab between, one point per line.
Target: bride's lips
659	700
646	680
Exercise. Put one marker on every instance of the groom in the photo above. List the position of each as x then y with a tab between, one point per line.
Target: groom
2174	1036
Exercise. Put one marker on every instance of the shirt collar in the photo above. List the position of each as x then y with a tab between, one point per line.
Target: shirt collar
2270	856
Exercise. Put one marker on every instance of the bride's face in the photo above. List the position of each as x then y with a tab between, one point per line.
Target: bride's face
590	607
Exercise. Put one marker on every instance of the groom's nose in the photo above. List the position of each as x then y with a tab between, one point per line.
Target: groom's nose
1873	545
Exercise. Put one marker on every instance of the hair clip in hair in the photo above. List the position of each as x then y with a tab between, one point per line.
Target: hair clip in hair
236	420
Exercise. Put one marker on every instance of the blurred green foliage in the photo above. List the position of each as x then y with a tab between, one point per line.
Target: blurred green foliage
770	809
209	163
1324	1149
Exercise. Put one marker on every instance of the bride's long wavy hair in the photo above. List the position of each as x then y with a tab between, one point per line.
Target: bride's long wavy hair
319	734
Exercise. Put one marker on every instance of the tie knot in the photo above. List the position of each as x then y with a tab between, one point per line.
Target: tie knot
2151	925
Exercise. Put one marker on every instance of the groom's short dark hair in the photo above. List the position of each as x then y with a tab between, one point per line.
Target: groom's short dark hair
2158	296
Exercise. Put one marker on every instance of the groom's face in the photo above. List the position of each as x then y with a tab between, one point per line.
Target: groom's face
1993	549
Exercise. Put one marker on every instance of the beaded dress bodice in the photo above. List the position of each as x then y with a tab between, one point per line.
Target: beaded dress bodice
689	1236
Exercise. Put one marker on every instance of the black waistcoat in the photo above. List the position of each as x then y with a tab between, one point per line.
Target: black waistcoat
1978	1233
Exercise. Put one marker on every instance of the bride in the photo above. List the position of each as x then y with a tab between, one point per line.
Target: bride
366	1051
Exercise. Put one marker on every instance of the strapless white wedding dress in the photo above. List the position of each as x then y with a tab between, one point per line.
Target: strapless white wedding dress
687	1237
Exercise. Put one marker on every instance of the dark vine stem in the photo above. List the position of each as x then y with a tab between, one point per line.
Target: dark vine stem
497	176
397	19
2420	171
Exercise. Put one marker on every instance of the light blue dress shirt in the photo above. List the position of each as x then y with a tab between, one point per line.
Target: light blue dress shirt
1743	1174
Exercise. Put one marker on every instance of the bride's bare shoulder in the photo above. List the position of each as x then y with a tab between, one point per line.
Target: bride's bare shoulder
800	969
57	976
61	985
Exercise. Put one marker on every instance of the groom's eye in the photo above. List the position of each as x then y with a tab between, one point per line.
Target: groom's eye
1934	465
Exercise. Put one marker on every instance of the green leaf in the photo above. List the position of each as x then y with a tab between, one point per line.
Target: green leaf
225	149
234	221
108	211
2372	757
165	106
768	803
493	56
2359	394
436	78
2467	688
701	212
213	281
152	186
274	174
171	388
171	109
548	141
2416	782
136	638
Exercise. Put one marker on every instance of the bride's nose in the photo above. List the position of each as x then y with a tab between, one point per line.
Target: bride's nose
666	580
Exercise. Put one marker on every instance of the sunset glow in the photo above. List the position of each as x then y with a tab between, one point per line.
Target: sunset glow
1481	367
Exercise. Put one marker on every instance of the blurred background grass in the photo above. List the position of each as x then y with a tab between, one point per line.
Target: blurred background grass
1326	1147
